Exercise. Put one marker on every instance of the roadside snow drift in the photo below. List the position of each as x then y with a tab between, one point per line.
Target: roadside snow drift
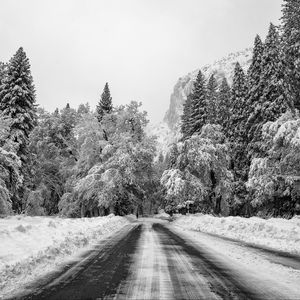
32	246
278	234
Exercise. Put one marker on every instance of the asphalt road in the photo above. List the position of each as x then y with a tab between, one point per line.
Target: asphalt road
147	260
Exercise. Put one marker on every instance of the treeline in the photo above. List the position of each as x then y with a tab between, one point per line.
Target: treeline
73	162
239	153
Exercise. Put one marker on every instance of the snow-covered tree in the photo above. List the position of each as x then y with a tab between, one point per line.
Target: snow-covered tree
274	180
212	96
201	173
105	104
10	168
113	173
223	104
3	72
53	147
173	155
17	101
186	117
234	129
237	136
274	98
291	47
254	94
199	111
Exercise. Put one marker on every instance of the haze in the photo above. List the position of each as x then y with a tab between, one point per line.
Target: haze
139	47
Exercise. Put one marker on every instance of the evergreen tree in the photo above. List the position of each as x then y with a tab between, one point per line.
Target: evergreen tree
223	104
237	106
291	47
212	95
185	118
105	103
235	131
274	98
173	154
17	101
199	111
3	71
254	91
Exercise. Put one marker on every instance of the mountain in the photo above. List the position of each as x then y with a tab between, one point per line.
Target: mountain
168	131
221	68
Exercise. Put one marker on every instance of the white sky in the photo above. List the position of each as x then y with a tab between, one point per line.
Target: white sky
140	47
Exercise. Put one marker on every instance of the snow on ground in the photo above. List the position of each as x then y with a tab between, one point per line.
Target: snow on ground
260	270
278	234
162	215
32	246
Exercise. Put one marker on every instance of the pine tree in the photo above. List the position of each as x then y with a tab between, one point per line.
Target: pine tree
17	101
235	131
291	47
254	93
173	155
185	118
212	95
3	71
105	103
237	105
199	111
223	104
274	98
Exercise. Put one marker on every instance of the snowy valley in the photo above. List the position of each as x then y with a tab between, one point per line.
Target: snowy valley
97	202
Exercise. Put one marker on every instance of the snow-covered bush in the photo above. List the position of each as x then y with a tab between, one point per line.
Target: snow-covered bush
275	180
115	165
200	173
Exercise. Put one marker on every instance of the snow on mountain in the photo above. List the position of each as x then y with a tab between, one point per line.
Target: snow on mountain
221	68
165	136
168	130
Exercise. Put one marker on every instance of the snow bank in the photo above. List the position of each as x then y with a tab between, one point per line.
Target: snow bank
31	246
278	234
162	215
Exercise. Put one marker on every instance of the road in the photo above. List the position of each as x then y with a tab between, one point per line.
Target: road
149	260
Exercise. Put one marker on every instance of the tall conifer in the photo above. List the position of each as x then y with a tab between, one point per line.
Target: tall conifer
291	47
223	104
105	103
237	105
185	118
199	112
274	98
17	100
254	94
212	95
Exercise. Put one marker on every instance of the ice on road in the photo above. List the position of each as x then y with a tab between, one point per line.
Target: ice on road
150	259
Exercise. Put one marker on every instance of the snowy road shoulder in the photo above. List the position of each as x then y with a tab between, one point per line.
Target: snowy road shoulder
263	271
277	234
30	247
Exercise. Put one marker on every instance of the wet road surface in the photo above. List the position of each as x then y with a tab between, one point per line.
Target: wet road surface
147	260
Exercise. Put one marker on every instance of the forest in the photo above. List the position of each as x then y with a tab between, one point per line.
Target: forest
238	154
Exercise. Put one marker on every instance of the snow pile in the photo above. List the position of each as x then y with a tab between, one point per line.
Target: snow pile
162	215
278	234
32	246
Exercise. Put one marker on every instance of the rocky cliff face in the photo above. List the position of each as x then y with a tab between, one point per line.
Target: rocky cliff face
221	68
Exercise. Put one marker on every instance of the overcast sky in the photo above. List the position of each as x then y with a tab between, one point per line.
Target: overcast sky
140	47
